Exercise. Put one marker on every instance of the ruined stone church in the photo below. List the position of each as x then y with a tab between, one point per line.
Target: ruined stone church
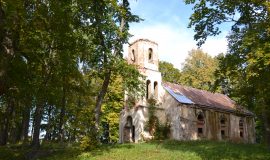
192	114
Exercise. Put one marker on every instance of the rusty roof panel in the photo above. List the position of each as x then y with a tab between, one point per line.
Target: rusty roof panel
202	97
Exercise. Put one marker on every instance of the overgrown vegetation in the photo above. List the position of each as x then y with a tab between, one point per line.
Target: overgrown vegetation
156	150
159	131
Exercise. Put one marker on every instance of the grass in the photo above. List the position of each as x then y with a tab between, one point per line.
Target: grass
166	150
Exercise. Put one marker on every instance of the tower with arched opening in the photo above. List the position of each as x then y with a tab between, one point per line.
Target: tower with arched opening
142	53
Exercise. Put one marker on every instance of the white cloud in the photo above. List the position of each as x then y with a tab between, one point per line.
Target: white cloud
216	45
175	41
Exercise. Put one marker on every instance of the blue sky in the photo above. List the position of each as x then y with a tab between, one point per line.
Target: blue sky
165	22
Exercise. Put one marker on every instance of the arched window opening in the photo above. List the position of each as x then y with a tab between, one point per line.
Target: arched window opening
150	55
156	89
200	124
200	117
133	55
222	121
223	127
148	89
241	128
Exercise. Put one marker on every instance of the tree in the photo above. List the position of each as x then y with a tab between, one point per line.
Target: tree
245	69
198	70
50	75
113	104
128	81
115	22
168	72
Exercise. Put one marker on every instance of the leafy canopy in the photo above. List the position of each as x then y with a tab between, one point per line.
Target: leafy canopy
198	70
245	69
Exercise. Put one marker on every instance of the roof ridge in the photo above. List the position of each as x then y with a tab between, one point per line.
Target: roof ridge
195	88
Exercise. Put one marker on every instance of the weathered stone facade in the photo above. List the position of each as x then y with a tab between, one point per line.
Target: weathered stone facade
191	113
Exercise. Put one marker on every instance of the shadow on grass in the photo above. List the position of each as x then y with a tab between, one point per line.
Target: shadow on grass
55	151
25	152
211	150
14	152
74	153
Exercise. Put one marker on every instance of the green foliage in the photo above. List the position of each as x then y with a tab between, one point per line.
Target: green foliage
88	142
54	58
127	79
244	71
113	104
169	73
132	80
153	122
162	131
156	129
198	70
259	129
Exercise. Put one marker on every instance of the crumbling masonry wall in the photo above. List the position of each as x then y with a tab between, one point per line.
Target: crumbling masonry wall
184	124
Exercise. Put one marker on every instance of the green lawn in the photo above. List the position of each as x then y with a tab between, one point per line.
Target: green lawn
167	150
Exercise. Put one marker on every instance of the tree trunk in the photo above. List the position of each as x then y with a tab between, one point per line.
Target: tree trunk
100	98
107	77
6	123
37	124
4	132
2	60
15	135
48	134
14	131
62	113
25	124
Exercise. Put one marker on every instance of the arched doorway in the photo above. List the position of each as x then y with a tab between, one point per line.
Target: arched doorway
129	130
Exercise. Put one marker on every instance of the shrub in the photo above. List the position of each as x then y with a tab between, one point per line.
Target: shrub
89	142
162	131
155	128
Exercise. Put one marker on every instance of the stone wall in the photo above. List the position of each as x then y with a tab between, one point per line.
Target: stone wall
184	124
139	117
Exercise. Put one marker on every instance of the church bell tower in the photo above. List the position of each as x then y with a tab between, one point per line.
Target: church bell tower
144	54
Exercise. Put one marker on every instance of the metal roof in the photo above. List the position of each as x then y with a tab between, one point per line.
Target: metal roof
189	95
179	97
